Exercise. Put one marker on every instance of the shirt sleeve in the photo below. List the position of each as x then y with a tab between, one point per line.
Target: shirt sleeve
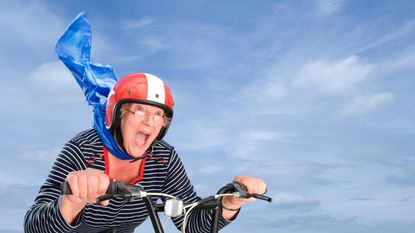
178	184
44	216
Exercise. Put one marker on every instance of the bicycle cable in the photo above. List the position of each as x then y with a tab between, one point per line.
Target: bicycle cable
193	205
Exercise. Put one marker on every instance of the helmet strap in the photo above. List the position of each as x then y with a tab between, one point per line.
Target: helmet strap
116	131
149	152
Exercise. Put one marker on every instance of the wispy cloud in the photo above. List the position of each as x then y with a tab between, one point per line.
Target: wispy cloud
54	79
295	201
17	198
153	42
332	77
39	156
366	104
403	173
362	199
138	23
26	21
328	7
281	175
261	136
395	34
210	169
201	135
407	198
314	223
51	76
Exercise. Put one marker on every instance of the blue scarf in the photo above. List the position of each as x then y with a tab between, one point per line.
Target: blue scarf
96	80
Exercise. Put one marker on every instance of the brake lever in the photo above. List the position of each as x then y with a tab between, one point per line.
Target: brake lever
241	191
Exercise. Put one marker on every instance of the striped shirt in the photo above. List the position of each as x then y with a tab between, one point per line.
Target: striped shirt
162	171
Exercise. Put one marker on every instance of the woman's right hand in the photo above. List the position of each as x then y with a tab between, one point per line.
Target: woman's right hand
86	185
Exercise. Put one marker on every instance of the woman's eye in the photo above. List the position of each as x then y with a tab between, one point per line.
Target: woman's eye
140	108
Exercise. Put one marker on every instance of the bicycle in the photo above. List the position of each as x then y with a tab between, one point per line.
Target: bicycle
173	207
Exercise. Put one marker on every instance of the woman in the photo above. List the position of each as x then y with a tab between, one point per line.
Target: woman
138	114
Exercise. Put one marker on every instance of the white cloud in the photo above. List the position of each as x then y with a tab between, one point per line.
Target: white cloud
366	104
279	8
136	24
7	178
332	77
28	21
283	174
273	91
291	200
328	7
152	42
261	136
51	76
200	187
18	178
407	198
269	90
53	81
196	134
197	45
39	155
210	169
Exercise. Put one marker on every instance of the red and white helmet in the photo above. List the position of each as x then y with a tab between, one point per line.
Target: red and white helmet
139	88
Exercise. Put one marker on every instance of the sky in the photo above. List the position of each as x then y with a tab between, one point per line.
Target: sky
312	96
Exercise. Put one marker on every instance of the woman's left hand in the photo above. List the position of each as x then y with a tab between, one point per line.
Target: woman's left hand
232	204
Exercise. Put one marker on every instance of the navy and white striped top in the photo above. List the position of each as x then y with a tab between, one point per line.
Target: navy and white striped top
163	172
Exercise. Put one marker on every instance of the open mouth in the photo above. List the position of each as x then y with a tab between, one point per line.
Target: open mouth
141	139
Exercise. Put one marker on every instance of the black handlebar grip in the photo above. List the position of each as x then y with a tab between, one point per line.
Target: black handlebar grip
242	190
66	189
262	197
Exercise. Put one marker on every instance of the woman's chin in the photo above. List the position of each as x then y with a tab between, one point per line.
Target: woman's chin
136	150
139	151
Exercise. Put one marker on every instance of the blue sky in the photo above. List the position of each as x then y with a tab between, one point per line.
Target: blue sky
313	96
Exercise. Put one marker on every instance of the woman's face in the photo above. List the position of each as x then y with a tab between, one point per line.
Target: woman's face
140	125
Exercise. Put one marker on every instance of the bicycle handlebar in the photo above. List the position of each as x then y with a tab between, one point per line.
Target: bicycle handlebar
119	189
129	191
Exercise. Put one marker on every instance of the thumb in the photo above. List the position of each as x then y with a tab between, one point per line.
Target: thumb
105	203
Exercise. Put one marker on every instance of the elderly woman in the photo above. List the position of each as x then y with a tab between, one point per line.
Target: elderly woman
138	114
